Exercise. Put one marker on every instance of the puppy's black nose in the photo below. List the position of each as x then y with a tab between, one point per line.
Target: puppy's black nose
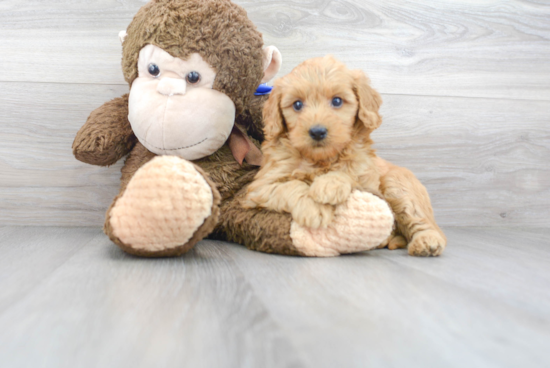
318	132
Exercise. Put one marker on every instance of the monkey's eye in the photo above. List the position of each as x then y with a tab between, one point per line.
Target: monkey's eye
154	70
193	77
337	102
298	105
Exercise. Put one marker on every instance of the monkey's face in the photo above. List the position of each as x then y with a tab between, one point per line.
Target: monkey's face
173	109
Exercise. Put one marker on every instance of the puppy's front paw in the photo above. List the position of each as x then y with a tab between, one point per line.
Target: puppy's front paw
330	189
427	243
308	213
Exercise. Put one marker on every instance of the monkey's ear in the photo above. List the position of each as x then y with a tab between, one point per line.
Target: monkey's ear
122	36
274	125
272	63
369	101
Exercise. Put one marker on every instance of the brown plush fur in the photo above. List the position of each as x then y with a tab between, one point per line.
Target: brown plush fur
306	177
107	135
251	118
218	30
223	35
260	230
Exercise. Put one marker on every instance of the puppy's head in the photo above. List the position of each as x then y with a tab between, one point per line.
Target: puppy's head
322	107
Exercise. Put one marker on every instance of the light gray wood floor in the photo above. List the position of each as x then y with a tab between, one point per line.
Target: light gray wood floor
70	298
466	96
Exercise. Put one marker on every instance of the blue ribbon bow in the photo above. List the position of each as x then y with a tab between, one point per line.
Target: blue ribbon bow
263	89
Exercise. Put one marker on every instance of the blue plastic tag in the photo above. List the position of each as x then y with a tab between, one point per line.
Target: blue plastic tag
263	90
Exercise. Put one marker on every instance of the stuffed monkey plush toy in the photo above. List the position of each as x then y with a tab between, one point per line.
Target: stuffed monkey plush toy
191	126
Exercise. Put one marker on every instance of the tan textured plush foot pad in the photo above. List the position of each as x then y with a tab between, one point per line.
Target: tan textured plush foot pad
166	201
362	223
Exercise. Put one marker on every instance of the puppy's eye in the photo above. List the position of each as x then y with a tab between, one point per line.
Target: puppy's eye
298	105
337	102
154	70
193	77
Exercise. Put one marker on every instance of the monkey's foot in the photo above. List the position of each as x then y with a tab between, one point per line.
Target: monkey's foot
362	223
167	207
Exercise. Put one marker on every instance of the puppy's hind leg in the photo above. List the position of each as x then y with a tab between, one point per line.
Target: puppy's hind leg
411	204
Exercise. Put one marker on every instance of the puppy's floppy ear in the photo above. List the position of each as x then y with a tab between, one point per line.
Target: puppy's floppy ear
274	125
369	101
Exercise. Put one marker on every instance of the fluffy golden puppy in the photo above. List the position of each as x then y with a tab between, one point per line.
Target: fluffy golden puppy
317	150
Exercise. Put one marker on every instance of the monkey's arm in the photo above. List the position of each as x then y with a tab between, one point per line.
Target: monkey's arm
107	135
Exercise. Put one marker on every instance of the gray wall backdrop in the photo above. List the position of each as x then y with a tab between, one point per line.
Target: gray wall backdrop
466	89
